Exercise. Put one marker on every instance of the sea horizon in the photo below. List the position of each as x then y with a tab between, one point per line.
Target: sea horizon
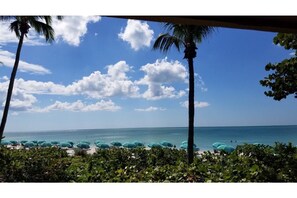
146	127
204	137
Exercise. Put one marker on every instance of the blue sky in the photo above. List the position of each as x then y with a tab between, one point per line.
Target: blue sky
101	72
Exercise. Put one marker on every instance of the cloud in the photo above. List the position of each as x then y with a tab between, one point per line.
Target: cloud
160	74
79	106
6	36
8	59
21	101
163	71
200	83
197	104
150	109
114	83
72	28
97	85
138	34
34	87
23	98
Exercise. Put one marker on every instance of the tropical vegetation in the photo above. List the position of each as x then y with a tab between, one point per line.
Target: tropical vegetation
283	80
248	163
185	36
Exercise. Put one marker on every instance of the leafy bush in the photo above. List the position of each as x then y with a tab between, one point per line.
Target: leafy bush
248	163
34	165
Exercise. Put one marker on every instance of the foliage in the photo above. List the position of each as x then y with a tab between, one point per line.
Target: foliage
283	81
34	165
248	163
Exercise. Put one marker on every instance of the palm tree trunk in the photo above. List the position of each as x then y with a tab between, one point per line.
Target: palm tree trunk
10	87
191	112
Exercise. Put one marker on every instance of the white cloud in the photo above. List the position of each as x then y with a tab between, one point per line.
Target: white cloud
197	104
138	34
8	59
159	73
21	101
97	85
79	106
34	87
292	53
163	71
5	78
114	83
6	36
23	98
150	109
72	28
200	83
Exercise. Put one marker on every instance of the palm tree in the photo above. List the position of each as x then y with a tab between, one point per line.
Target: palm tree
185	36
20	26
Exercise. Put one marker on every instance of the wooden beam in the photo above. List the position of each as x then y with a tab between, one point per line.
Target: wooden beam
286	24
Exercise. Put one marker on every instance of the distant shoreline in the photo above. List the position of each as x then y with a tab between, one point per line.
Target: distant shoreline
133	128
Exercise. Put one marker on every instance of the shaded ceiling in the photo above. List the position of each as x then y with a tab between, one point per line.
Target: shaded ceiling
286	24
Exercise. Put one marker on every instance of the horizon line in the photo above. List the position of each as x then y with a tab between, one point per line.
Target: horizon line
222	126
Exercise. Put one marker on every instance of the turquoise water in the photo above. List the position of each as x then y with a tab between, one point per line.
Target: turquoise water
204	136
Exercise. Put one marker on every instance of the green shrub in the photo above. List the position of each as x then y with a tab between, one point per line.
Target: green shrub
248	163
34	165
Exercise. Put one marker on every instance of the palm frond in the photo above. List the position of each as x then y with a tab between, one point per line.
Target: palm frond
44	29
165	41
14	27
192	32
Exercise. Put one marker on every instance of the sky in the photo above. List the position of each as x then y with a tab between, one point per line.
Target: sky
101	72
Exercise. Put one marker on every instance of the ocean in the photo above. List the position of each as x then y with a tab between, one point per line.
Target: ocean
204	136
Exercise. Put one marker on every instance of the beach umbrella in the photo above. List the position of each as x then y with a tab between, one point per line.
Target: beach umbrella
46	144
217	144
65	145
29	144
55	143
226	148
40	142
14	143
23	142
85	142
116	144
155	145
138	144
5	142
102	146
184	142
35	141
129	145
98	141
83	146
166	144
70	142
185	146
